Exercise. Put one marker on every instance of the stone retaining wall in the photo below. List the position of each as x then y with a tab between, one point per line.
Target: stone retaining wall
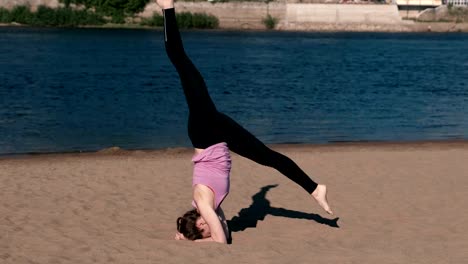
290	15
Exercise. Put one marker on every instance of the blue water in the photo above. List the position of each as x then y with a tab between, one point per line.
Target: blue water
67	90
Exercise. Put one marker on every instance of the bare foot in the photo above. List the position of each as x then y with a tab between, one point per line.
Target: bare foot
165	4
320	195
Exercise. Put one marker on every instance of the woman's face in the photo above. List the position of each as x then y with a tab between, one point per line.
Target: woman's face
202	225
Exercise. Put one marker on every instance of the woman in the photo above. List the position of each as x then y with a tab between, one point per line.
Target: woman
213	134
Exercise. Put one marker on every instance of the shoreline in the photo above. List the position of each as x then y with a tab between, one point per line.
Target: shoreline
408	27
331	146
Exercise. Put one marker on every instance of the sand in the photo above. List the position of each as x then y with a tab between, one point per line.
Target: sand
394	203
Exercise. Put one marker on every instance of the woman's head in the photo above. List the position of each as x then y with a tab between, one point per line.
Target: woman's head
192	225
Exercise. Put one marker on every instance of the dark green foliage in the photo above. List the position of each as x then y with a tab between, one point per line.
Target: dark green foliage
135	6
185	20
155	21
68	17
46	16
204	21
5	16
117	17
22	15
196	20
270	22
117	9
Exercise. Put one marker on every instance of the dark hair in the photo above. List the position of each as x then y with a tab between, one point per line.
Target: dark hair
187	225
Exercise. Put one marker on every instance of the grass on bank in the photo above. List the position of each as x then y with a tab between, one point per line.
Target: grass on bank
68	17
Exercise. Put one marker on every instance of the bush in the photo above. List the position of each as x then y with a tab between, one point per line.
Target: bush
67	17
196	20
185	20
118	17
117	9
270	22
204	21
46	16
5	16
22	15
89	18
155	21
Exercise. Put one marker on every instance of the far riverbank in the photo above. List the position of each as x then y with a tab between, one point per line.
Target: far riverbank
312	17
286	16
409	27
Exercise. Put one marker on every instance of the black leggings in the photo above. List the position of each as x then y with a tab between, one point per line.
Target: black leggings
207	126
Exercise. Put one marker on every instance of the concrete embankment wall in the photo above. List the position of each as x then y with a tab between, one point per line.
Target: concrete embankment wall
336	13
298	15
290	15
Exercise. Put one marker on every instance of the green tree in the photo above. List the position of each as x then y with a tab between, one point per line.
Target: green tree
5	16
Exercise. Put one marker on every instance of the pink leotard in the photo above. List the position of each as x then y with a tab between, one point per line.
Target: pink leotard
211	168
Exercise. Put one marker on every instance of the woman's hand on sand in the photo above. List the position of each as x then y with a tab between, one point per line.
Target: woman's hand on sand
165	4
179	236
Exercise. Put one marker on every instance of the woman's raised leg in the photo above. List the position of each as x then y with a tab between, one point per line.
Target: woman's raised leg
201	128
195	90
247	145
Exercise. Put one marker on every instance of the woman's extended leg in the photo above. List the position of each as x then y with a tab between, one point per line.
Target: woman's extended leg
194	86
247	145
201	126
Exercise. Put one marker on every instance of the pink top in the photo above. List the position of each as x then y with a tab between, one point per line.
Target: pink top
211	168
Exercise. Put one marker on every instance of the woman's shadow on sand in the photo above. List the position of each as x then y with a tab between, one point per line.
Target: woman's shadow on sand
260	207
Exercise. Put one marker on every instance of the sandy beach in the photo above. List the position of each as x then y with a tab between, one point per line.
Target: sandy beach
394	203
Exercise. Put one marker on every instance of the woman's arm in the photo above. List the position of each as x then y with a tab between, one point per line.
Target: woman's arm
206	239
222	218
204	197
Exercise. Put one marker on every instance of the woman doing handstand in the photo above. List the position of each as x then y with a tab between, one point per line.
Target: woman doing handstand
213	134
